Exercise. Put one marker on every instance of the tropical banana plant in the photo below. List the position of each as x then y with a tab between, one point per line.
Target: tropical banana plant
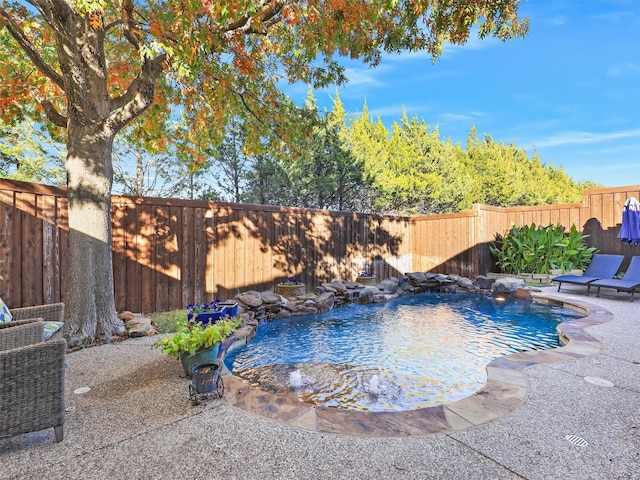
538	249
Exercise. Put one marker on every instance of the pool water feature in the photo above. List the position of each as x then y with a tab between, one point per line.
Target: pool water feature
415	352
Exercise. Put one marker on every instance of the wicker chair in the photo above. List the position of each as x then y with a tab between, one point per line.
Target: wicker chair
31	374
48	313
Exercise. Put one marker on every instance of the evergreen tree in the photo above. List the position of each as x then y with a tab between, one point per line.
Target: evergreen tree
228	165
326	176
268	181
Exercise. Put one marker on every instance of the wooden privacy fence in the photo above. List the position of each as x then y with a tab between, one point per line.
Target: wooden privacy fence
460	242
168	253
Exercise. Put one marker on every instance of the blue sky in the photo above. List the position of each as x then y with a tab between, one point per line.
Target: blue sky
570	90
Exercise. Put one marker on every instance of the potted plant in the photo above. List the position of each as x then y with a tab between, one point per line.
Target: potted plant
366	278
211	312
198	343
291	288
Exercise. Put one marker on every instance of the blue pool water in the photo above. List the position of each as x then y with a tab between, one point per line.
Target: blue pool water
415	352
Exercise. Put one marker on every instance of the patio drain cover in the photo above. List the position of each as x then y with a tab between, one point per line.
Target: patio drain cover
599	381
581	442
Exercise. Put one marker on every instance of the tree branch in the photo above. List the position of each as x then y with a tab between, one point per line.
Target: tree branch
53	115
127	15
269	10
18	35
139	94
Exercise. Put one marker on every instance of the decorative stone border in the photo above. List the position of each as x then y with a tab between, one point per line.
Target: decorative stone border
506	389
267	305
541	278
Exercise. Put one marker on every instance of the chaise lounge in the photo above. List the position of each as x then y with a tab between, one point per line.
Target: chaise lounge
628	283
602	266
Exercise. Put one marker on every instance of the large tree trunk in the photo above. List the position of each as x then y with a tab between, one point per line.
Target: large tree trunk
92	118
90	309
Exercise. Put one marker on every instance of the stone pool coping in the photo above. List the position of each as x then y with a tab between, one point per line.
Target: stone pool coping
506	389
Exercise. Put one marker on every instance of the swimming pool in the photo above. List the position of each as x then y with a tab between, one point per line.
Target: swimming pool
415	352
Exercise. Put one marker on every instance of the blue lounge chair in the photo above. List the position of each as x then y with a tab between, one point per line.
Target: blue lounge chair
601	267
628	283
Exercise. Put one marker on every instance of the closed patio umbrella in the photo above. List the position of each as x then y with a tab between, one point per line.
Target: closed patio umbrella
630	228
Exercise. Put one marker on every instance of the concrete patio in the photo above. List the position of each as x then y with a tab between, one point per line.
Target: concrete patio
137	421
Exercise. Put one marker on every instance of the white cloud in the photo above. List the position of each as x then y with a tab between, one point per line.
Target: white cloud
394	110
473	43
557	21
581	138
365	76
406	56
619	70
616	166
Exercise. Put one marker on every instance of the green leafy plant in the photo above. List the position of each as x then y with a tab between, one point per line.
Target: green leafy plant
290	282
537	249
168	322
191	337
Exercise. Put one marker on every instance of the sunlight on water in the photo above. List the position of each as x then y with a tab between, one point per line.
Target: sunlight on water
418	351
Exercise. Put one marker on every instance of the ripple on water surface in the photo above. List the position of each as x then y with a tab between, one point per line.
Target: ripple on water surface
418	351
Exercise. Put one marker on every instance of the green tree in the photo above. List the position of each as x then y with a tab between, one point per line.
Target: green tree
507	176
326	176
368	143
456	188
268	181
28	153
141	170
412	170
94	66
230	164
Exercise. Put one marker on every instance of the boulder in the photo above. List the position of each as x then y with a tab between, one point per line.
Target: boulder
522	293
465	283
127	316
269	297
302	309
507	285
330	288
325	302
250	299
389	285
140	327
338	286
417	277
402	280
443	279
384	297
409	288
483	282
367	294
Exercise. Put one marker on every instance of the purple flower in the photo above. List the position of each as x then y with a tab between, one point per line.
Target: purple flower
291	282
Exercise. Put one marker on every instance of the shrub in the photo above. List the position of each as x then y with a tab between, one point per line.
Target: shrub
533	249
191	337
